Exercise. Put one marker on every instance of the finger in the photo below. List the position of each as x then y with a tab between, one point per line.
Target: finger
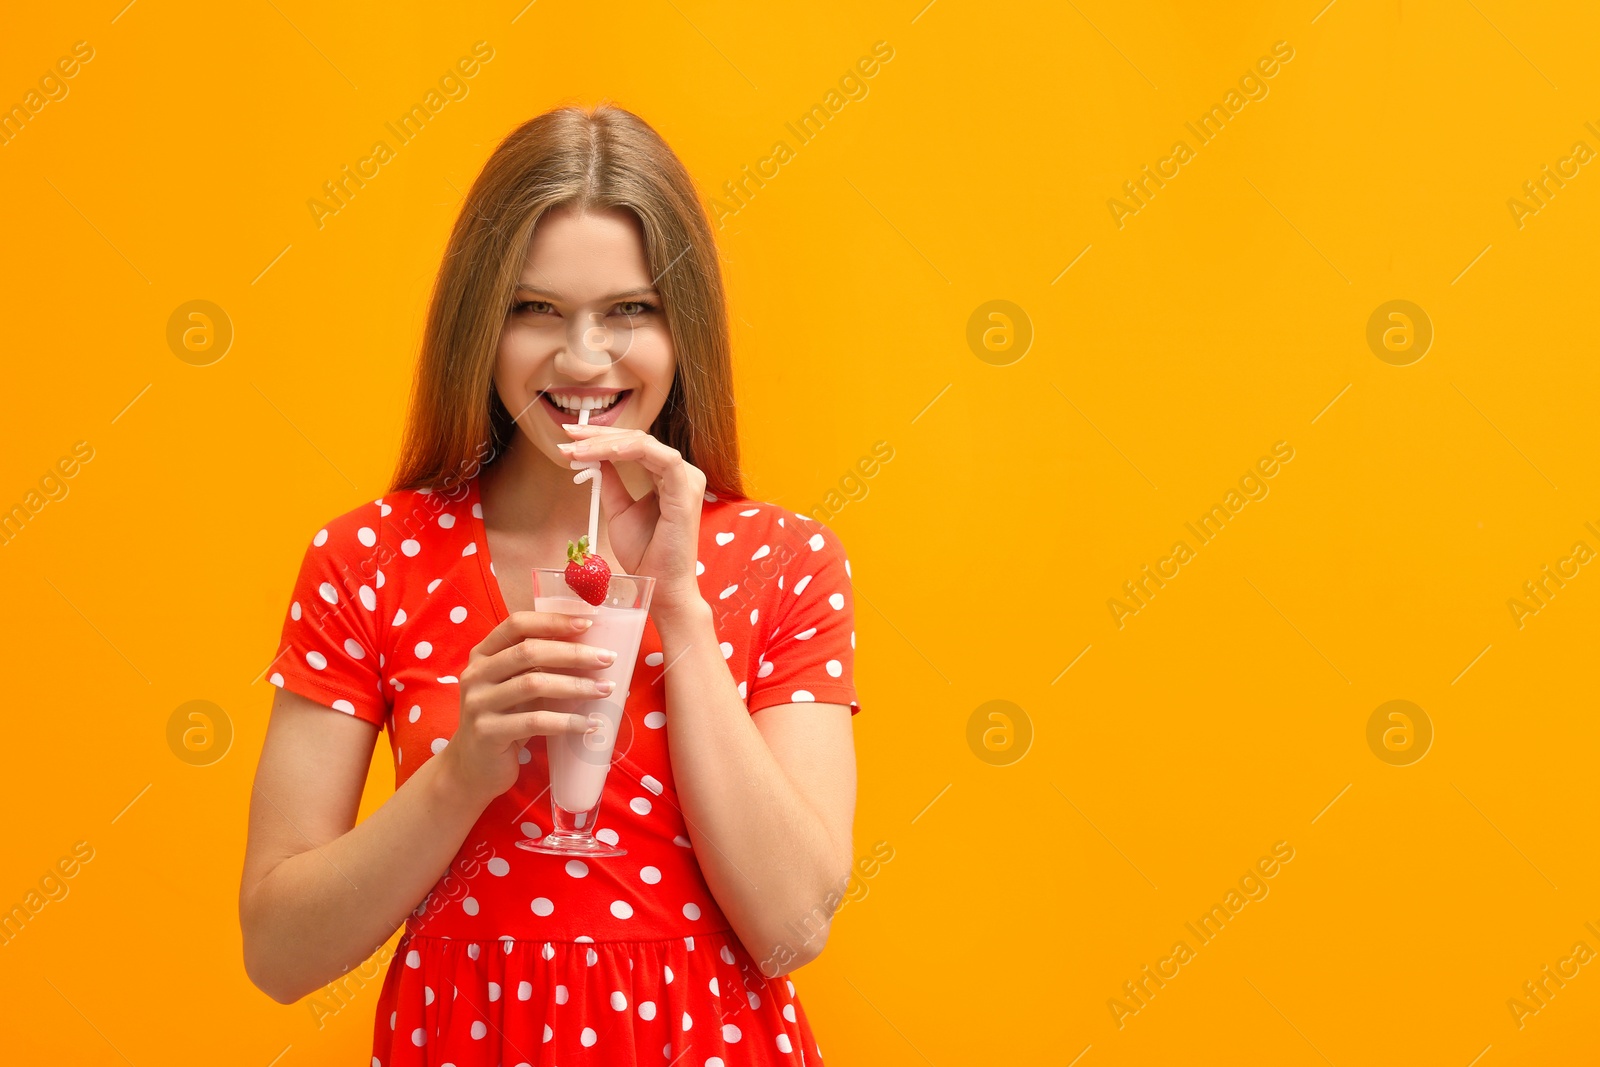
520	625
526	724
588	437
665	464
533	688
534	652
589	429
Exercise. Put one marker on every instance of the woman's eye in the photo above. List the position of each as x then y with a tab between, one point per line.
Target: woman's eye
640	307
535	306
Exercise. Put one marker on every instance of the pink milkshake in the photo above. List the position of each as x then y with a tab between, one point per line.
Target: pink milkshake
579	763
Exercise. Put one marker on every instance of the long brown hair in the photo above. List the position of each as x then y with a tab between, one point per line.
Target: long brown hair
603	157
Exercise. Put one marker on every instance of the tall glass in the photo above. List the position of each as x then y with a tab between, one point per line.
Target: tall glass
579	763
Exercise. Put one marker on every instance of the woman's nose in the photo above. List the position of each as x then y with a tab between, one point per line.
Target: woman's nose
590	340
595	344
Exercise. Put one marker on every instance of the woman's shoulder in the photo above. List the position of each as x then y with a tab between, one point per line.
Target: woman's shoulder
395	526
761	529
350	533
402	512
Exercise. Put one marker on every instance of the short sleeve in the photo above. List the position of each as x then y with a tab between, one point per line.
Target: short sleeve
810	650
328	651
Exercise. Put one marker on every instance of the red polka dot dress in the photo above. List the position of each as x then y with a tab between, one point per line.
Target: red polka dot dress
518	959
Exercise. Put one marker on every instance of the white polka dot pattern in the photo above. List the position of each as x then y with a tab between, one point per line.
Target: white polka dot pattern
588	950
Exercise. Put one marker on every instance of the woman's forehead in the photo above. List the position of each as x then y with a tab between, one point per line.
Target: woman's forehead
587	257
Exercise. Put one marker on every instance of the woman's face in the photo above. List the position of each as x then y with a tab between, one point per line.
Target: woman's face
585	327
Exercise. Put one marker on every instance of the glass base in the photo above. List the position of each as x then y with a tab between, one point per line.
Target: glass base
581	845
572	834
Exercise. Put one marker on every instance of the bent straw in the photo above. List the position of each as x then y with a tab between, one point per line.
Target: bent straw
590	472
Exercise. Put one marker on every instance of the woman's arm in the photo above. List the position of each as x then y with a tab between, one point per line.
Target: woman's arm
320	894
769	798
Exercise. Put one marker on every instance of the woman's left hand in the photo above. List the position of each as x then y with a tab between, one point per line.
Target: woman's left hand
659	534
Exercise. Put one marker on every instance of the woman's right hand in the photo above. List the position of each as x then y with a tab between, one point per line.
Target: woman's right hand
506	689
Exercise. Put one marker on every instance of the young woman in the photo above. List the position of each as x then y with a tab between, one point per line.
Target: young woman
581	272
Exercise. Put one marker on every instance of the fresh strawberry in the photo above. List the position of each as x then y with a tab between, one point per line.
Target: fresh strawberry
588	574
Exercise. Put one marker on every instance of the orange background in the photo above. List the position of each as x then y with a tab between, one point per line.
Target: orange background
1229	313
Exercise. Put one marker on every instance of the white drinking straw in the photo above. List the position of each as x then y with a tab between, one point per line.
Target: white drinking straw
590	472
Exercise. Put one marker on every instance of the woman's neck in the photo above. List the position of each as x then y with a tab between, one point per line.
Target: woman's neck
526	494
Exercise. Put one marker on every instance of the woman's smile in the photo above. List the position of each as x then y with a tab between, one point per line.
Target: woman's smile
563	405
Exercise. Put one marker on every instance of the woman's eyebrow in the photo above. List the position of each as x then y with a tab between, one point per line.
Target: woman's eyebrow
646	290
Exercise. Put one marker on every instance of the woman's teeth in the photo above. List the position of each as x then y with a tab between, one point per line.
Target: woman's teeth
576	404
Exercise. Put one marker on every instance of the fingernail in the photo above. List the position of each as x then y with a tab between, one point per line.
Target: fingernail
568	446
605	686
605	656
597	722
580	623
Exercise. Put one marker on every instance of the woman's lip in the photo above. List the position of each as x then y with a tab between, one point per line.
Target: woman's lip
596	418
